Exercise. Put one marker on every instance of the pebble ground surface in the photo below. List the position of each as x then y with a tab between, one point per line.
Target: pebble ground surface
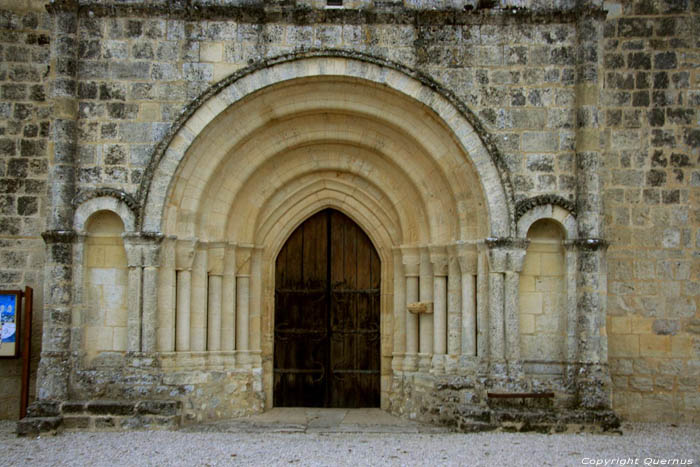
266	445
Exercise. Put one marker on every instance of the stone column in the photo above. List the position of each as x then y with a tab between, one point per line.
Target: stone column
425	320
454	312
506	257
167	280
228	300
184	254
593	381
468	268
55	363
438	259
198	300
215	263
571	311
255	307
482	307
411	263
399	299
134	259
54	366
151	262
516	258
243	261
80	307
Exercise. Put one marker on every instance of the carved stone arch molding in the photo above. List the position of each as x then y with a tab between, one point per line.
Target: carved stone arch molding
557	208
455	115
89	202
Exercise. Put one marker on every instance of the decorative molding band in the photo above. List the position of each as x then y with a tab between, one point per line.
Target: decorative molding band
507	242
386	12
58	236
591	244
93	193
525	205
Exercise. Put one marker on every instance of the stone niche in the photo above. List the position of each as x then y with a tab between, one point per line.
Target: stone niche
543	317
106	286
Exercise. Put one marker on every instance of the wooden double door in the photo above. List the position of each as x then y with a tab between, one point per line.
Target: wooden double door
327	336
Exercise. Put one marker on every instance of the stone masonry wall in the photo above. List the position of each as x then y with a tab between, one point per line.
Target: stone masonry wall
25	120
651	102
515	69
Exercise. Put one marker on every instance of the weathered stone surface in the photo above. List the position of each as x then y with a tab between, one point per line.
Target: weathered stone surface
576	111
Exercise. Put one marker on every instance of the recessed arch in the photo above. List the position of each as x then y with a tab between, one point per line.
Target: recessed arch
457	122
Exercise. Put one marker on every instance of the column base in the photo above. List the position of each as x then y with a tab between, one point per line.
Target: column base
515	369
451	364
438	364
425	361
468	364
410	362
593	386
397	362
53	375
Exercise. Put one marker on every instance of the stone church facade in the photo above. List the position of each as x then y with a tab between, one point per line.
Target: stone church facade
525	171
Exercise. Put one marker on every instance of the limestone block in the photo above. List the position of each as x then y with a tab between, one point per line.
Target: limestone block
654	346
531	303
623	346
527	323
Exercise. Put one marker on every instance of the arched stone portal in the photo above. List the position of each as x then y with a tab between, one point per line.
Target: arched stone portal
279	144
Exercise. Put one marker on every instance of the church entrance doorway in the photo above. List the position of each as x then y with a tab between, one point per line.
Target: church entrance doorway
327	307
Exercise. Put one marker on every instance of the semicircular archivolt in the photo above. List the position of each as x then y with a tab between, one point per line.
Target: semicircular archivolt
436	170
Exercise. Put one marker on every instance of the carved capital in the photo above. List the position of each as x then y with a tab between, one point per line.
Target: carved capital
438	256
58	236
411	260
506	254
184	253
591	244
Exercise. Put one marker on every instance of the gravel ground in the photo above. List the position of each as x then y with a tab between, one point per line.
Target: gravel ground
648	444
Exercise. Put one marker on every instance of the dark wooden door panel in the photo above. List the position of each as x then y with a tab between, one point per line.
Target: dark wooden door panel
327	316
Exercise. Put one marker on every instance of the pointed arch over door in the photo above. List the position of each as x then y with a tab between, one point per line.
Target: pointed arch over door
327	309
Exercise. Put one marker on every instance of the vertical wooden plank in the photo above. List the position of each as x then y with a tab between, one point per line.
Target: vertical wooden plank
26	350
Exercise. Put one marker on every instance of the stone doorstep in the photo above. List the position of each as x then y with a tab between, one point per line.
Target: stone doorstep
100	415
525	419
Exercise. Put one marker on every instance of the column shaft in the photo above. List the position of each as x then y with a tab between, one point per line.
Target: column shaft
496	318
228	312
242	303
214	313
167	290
184	290
469	327
228	300
425	342
149	322
399	299
440	315
133	332
255	301
454	309
198	309
512	318
482	307
411	319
